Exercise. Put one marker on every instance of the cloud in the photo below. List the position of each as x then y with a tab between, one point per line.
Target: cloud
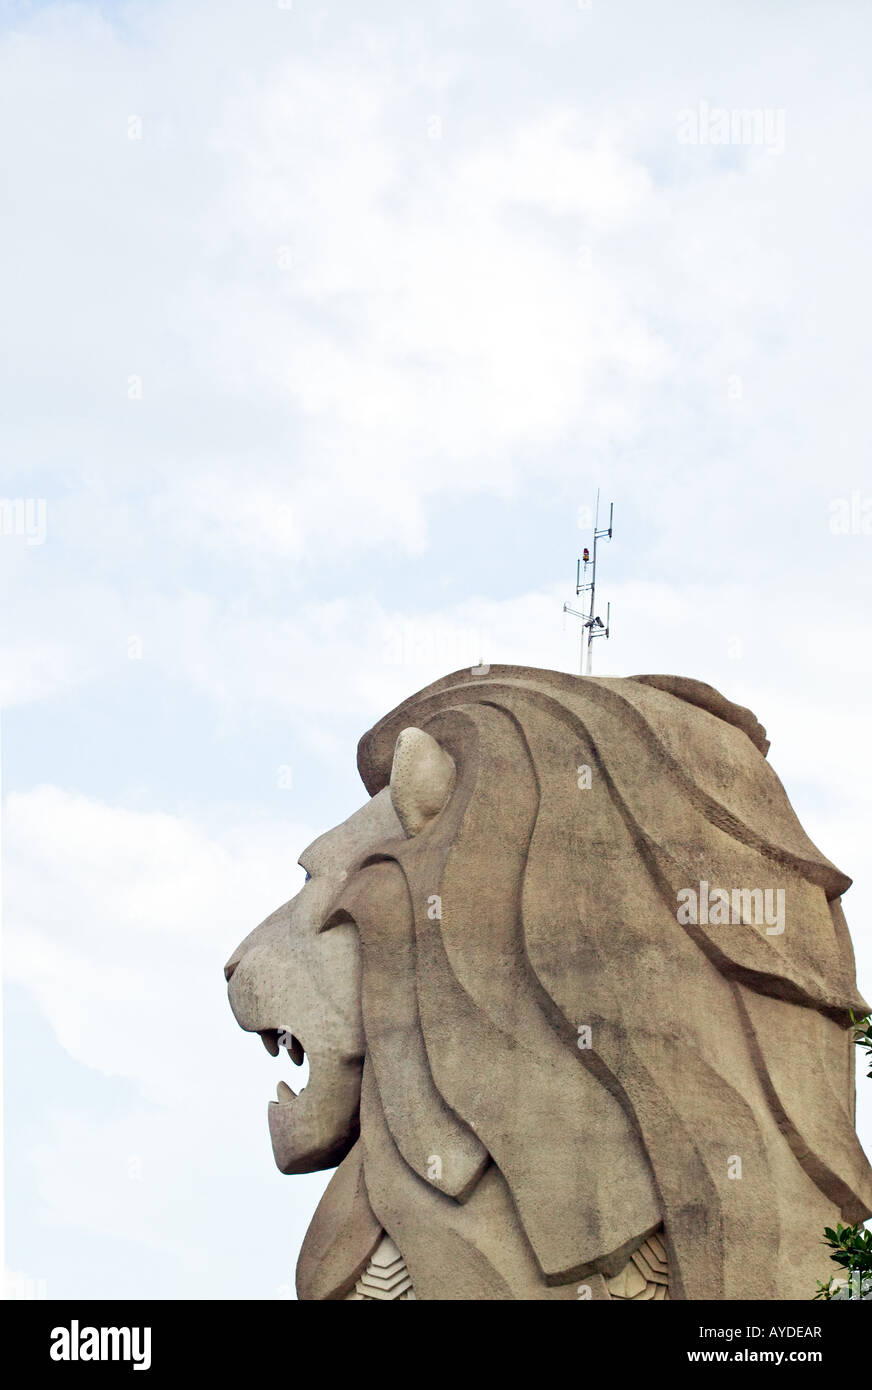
116	919
117	924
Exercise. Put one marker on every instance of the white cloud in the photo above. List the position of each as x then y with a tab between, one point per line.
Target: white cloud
119	921
118	924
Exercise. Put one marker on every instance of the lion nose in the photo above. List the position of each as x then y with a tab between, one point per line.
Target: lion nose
230	967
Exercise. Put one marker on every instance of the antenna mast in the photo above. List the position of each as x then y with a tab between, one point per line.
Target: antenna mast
591	625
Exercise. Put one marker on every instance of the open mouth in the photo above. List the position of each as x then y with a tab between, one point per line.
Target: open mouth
276	1040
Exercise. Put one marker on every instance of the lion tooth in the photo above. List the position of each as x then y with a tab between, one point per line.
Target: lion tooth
271	1041
296	1051
284	1093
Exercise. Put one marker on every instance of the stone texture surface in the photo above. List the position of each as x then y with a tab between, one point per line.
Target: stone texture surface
537	1080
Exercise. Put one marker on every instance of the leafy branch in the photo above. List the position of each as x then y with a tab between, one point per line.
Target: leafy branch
852	1250
851	1245
863	1037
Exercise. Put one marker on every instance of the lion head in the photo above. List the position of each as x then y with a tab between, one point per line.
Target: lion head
525	1056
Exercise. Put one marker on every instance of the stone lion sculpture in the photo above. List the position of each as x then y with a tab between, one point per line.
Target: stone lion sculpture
540	1073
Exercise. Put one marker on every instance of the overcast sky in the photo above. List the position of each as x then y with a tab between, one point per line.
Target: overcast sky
324	322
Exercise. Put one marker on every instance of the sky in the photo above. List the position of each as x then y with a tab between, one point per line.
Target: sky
324	322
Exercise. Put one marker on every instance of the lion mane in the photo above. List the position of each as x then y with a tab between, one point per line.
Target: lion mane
556	1067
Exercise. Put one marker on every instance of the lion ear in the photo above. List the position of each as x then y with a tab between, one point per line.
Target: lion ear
422	779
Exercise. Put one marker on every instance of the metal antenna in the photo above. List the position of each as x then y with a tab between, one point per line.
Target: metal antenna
591	625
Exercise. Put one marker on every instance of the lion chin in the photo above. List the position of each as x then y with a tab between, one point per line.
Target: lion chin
536	1076
316	1127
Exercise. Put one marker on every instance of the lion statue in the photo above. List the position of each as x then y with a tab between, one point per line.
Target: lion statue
575	988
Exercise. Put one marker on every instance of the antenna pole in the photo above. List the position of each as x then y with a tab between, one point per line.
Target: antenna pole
591	625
